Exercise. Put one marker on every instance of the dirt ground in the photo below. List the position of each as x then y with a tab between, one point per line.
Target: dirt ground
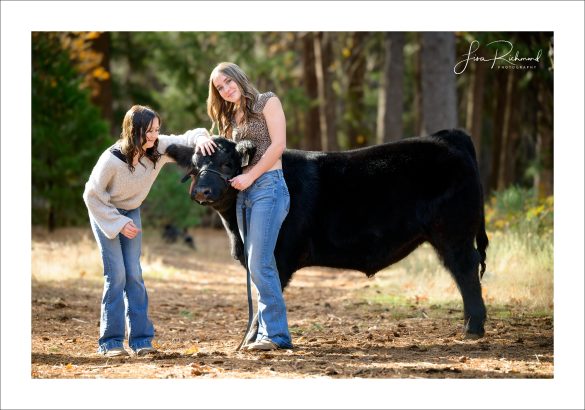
198	306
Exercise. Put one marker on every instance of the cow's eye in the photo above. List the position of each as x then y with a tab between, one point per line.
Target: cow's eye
227	167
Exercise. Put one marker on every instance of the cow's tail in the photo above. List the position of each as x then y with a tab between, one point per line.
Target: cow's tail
462	141
481	237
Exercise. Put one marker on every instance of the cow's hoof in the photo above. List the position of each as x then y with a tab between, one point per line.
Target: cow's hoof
474	329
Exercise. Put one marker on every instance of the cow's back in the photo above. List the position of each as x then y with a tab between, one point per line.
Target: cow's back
367	208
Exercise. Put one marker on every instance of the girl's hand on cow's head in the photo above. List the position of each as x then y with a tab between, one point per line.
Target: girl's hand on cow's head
205	145
130	230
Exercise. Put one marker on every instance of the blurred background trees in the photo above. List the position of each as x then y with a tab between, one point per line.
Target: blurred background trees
340	90
67	128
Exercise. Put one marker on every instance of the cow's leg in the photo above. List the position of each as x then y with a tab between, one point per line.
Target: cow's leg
462	260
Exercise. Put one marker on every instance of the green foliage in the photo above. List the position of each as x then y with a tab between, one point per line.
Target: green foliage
168	202
518	210
67	135
169	71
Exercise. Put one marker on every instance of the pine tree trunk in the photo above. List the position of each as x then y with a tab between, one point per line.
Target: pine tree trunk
506	152
323	61
544	179
417	88
355	94
498	130
475	107
312	138
439	98
390	97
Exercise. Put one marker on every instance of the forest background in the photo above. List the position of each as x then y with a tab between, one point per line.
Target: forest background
340	90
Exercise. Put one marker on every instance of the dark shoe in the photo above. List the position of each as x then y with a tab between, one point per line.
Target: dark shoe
115	352
143	351
264	344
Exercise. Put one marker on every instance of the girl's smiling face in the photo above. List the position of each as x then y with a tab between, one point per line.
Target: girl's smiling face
227	88
151	134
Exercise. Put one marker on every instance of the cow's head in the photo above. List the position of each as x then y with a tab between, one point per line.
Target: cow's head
210	174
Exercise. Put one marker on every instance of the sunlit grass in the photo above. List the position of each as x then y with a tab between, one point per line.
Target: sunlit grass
64	254
389	299
519	269
72	253
519	272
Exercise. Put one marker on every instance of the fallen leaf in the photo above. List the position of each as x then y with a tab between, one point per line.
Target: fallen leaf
193	349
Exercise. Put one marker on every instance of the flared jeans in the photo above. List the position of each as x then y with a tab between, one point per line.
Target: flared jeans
267	203
124	297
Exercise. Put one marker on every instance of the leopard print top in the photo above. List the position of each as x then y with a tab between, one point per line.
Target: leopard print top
255	129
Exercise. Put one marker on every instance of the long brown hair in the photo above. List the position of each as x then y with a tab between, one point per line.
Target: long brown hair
136	123
222	112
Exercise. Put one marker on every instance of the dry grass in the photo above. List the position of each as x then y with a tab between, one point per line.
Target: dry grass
69	253
515	275
72	253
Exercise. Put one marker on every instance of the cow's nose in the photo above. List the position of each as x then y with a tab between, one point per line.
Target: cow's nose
201	194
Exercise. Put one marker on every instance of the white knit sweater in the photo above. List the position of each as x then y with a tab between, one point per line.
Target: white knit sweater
111	185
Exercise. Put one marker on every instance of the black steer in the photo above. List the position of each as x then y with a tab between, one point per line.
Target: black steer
365	209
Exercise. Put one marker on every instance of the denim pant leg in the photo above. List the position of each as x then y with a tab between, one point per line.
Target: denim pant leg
140	327
123	286
112	317
267	202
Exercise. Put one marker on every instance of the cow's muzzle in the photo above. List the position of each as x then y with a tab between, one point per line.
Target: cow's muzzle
201	195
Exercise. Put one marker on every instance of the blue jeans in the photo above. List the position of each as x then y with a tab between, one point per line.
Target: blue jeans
267	203
124	296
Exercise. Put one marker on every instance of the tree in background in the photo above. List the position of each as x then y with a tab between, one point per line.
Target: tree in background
439	98
327	99
390	95
312	134
102	92
67	132
474	107
355	70
339	90
543	176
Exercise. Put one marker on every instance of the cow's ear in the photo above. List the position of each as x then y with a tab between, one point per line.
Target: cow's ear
182	154
246	149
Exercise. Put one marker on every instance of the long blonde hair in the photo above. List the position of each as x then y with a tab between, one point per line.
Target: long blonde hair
222	112
136	123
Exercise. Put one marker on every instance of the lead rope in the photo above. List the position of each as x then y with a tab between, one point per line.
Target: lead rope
248	279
